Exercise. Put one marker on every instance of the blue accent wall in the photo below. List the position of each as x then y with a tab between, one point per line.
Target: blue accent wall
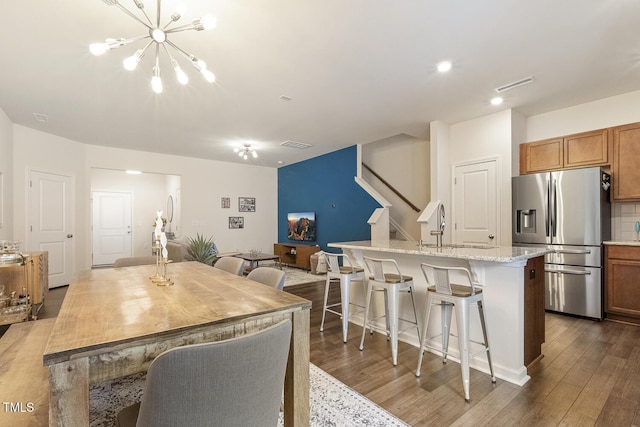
325	185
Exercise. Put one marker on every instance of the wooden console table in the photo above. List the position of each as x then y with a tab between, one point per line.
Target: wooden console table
294	254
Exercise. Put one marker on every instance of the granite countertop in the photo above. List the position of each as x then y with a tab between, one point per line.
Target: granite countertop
622	243
500	254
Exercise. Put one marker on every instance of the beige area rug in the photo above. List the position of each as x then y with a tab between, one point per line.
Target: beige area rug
298	276
332	403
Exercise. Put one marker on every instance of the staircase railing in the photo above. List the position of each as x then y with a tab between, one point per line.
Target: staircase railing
392	188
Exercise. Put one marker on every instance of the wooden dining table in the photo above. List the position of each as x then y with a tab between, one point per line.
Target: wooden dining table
115	321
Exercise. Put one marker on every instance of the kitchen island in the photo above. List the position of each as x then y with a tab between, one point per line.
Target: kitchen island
513	280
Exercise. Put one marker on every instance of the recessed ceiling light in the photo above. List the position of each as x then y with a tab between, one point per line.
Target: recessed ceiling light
496	101
444	66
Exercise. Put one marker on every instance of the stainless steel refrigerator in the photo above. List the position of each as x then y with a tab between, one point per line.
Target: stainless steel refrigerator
569	212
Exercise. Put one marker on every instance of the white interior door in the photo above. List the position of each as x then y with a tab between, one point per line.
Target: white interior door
111	212
476	203
51	216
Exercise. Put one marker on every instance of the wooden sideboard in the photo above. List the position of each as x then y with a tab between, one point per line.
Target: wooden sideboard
294	254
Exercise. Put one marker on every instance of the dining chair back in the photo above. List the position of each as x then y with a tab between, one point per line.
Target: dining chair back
268	276
231	264
235	382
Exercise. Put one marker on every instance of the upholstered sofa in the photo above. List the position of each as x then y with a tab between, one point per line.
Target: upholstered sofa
177	250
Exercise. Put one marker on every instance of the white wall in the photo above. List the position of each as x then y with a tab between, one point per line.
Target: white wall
483	138
6	180
408	173
203	183
440	166
607	112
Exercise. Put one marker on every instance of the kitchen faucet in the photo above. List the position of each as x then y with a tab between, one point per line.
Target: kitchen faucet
440	231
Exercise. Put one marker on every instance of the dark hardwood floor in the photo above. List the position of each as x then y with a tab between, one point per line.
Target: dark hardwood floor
590	374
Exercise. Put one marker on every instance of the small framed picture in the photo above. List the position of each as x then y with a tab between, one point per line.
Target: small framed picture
226	202
236	222
246	204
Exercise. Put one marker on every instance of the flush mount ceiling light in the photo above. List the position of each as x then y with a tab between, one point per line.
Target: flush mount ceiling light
246	151
159	35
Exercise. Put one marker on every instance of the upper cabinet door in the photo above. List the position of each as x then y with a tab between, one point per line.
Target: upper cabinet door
587	149
541	156
626	163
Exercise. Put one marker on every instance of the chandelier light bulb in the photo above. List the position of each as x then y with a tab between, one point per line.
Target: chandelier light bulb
180	74
131	63
156	81
98	49
207	22
208	75
254	154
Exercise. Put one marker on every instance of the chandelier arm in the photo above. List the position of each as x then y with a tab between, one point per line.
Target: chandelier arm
132	15
171	59
135	39
173	45
180	28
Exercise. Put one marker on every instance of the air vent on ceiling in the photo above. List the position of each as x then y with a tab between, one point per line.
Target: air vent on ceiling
40	117
296	144
514	85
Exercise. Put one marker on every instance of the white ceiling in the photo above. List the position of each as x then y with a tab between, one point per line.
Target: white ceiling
357	71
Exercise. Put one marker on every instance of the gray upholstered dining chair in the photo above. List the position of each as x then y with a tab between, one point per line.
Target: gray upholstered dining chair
231	264
269	276
236	382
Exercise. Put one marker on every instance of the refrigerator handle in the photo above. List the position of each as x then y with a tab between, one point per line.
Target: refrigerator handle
547	210
553	207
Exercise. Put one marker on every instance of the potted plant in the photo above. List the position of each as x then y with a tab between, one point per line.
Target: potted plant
201	249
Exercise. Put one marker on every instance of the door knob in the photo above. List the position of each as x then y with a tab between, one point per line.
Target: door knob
69	236
491	236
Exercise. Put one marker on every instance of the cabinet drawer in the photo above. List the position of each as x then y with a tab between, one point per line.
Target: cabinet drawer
623	252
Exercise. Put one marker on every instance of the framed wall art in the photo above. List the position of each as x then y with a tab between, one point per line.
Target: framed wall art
246	204
226	202
236	222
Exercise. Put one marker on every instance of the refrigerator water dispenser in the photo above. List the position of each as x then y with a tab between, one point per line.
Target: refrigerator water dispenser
526	221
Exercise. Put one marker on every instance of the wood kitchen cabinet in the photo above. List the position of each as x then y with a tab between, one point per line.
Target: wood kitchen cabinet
295	254
541	156
572	151
626	163
622	287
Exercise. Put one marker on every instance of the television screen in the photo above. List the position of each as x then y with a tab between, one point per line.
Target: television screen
302	226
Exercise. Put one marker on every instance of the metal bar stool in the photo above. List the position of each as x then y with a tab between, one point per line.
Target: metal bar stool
345	274
391	284
449	296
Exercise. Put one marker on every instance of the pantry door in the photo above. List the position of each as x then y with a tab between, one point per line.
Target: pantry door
476	203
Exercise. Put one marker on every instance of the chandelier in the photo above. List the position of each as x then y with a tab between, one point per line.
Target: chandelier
246	151
159	35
